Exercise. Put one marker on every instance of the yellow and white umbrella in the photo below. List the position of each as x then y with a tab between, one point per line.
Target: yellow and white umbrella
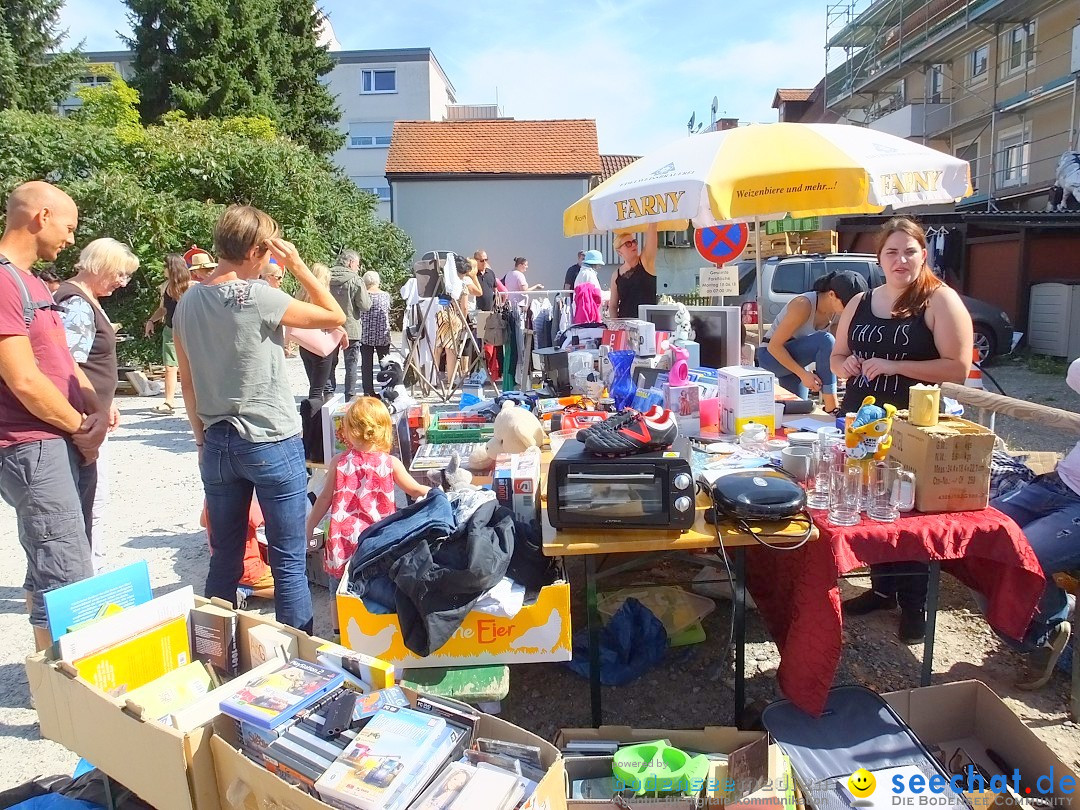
768	171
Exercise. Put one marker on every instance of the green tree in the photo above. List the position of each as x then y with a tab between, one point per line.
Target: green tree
161	188
34	74
221	58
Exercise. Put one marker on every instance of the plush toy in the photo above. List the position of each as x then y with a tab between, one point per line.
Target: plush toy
516	430
453	478
393	393
868	437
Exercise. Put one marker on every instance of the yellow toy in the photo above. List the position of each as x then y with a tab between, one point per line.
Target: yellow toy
868	437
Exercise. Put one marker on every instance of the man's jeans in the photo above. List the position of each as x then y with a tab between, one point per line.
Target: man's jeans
352	358
232	468
814	348
1049	513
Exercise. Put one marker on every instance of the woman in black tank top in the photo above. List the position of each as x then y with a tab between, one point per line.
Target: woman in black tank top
634	283
911	329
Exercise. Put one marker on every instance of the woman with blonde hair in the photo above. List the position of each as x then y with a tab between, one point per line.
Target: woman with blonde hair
104	266
177	280
320	370
912	329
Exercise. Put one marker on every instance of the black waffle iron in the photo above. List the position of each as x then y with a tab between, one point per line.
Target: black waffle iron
746	497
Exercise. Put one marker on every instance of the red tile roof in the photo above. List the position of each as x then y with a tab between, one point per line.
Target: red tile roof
614	163
494	147
790	94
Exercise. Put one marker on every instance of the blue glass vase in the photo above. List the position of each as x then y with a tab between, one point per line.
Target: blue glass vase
622	386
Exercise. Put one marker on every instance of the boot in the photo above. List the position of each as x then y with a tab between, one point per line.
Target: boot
868	602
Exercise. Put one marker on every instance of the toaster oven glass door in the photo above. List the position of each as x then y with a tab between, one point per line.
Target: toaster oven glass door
630	495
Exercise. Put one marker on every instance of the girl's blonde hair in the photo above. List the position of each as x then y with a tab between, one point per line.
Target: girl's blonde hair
322	275
367	422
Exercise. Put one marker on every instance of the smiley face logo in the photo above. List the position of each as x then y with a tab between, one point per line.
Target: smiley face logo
862	783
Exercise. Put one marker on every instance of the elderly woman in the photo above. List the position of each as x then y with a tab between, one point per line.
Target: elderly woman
375	331
104	266
230	343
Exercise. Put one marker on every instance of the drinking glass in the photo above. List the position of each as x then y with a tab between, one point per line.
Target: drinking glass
891	491
828	457
844	488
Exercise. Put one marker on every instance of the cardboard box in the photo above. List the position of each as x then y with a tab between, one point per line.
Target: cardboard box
616	340
951	462
682	400
968	715
516	483
751	766
746	395
331	413
539	632
243	783
168	769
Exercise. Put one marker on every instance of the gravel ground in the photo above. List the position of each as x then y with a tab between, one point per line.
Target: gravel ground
154	511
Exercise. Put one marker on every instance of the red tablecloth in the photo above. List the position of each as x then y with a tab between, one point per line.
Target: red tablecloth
798	595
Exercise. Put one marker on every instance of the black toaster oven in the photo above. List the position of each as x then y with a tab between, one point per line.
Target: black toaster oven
643	491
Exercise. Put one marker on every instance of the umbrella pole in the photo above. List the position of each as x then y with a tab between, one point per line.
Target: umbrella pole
757	273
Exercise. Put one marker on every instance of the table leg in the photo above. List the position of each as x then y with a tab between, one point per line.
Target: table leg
739	606
593	618
934	580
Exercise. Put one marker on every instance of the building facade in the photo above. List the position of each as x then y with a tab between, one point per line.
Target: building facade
992	81
374	88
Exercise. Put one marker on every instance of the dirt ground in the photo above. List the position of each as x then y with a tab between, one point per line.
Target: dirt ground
154	510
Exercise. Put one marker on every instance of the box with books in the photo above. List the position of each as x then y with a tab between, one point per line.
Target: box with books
539	632
271	699
166	761
399	753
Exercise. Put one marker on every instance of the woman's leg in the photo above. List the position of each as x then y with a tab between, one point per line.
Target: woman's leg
367	372
784	376
171	373
228	499
317	370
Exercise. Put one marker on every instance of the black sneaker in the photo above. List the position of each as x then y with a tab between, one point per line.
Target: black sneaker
625	416
867	603
640	434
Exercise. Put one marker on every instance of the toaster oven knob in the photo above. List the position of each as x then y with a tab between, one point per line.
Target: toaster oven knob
682	481
683	504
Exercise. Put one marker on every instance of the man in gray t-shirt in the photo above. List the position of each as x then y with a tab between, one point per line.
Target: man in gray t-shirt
244	381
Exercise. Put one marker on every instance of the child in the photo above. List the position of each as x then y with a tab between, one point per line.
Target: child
361	488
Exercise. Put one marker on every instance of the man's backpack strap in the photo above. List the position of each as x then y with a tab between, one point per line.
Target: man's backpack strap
29	306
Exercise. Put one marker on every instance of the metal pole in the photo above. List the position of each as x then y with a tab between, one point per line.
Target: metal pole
757	273
993	121
1072	116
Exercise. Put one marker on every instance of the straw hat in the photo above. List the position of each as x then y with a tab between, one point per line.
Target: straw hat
199	259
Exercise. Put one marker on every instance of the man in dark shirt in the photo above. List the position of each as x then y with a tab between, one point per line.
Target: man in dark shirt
573	270
485	302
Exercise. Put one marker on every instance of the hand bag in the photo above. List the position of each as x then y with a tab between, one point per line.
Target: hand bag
322	342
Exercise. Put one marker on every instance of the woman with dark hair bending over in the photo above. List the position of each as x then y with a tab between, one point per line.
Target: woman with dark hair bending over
912	329
800	336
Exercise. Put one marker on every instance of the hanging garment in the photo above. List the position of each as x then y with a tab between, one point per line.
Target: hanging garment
586	303
542	328
415	329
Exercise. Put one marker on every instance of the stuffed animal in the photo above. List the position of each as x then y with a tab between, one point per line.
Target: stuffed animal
1068	178
516	430
453	478
868	437
393	393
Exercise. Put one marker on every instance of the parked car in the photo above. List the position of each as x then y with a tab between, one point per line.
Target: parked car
784	277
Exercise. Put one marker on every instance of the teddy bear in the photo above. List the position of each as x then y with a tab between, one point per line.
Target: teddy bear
516	430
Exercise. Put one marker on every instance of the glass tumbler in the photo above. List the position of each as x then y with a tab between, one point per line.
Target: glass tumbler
845	486
891	491
817	483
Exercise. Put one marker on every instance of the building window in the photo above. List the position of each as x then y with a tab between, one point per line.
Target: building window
1013	157
369	141
937	83
1018	49
382	192
970	153
379	81
979	64
370	134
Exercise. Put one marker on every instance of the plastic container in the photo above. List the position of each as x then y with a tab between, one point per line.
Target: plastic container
677	610
557	437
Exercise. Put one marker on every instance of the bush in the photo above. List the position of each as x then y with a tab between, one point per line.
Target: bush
161	188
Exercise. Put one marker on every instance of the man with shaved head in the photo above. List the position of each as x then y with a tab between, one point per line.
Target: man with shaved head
51	421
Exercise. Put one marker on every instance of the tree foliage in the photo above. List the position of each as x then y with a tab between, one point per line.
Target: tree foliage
34	74
161	188
222	58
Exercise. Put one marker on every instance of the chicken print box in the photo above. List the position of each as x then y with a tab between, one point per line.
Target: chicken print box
540	632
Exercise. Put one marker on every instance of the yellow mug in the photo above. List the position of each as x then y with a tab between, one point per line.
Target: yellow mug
924	404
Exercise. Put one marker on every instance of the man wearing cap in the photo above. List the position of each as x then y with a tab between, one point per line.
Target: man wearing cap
573	270
199	262
51	421
352	296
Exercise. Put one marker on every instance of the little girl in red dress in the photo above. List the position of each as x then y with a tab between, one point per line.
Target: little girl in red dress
360	489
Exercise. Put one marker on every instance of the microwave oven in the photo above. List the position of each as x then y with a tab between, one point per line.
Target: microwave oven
643	491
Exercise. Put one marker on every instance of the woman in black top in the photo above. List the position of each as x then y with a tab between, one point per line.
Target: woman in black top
634	282
911	329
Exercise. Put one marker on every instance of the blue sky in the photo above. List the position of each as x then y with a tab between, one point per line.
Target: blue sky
639	67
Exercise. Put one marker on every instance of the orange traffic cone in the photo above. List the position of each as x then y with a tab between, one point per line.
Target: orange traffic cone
974	377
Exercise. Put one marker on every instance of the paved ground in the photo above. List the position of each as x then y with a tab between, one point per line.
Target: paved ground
154	517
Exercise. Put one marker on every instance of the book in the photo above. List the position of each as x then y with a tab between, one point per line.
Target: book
462	786
171	692
448	746
437	456
208	707
126	624
81	601
270	700
213	638
149	655
375	766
